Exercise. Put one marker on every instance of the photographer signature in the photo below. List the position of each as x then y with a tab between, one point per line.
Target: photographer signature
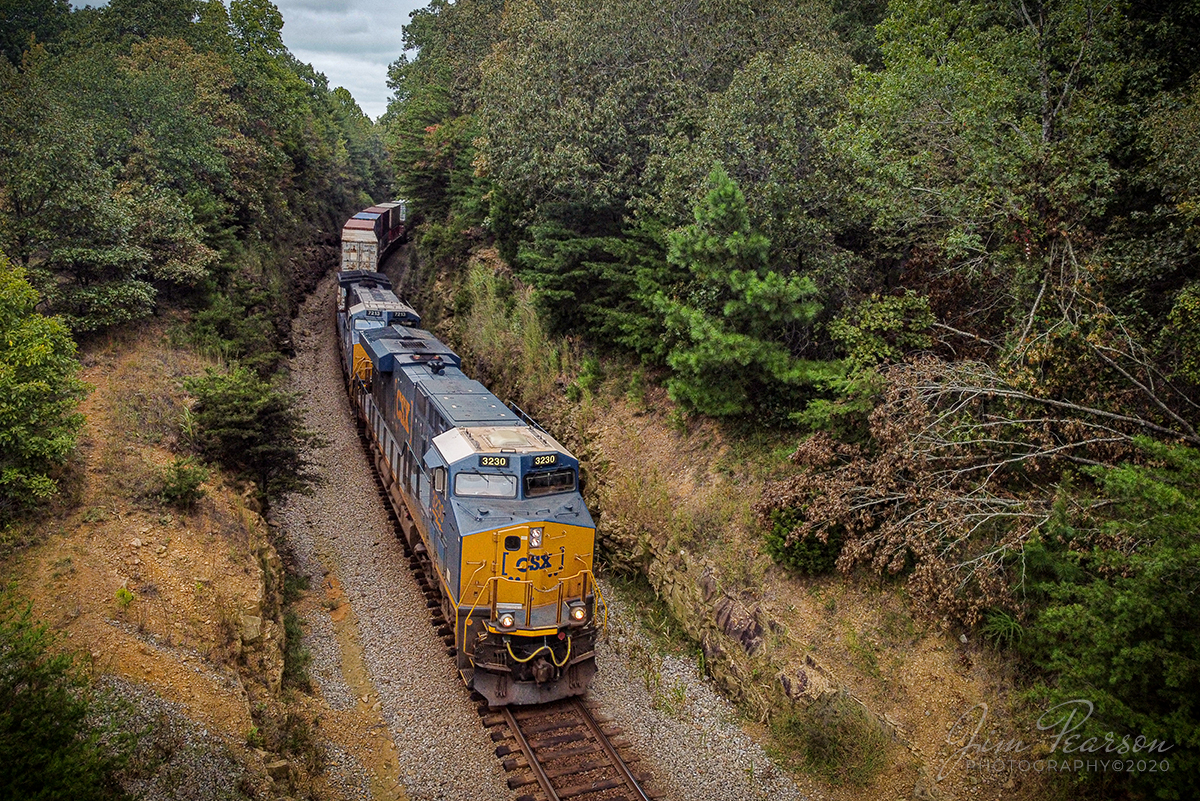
1061	721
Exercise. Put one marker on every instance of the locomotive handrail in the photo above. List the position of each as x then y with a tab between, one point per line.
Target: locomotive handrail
520	413
599	595
560	588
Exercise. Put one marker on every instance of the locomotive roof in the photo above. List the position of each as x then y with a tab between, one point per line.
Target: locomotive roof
459	443
350	277
464	401
394	344
380	298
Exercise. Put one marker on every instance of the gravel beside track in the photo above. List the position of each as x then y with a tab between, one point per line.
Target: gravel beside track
343	530
687	734
173	757
693	749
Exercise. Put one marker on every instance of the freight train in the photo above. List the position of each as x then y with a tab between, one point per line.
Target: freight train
488	500
368	235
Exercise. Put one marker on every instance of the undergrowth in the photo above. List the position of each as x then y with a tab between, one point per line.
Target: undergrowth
837	741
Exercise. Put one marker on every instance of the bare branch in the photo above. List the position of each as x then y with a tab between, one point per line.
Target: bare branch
967	334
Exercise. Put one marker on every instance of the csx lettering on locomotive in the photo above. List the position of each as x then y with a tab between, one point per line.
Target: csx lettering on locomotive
535	562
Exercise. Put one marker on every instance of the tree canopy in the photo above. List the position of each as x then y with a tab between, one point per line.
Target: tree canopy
953	244
149	148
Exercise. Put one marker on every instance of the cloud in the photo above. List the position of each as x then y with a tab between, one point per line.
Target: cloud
352	42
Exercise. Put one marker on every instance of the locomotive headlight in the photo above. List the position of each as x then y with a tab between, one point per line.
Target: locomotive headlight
577	613
507	620
535	537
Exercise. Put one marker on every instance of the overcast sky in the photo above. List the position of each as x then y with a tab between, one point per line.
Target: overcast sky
351	41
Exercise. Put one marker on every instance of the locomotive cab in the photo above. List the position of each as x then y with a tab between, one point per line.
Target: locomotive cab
527	595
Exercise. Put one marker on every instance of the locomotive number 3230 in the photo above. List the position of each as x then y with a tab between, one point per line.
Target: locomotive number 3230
539	461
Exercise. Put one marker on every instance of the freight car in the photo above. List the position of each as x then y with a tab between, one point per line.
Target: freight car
368	235
488	500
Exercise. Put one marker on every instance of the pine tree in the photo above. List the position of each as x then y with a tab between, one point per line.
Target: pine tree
733	322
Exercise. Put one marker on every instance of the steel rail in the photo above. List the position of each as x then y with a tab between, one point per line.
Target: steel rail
535	764
610	751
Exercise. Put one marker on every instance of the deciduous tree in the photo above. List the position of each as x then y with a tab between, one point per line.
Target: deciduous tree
39	393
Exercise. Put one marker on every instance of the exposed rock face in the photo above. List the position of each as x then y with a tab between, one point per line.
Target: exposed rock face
807	682
260	619
795	684
740	623
251	629
733	633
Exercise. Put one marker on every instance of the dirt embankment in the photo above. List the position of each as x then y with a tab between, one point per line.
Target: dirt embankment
180	611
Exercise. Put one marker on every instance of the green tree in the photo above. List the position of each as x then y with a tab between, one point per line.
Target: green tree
1114	620
254	430
431	125
48	749
144	19
39	393
735	323
768	129
21	20
61	216
987	143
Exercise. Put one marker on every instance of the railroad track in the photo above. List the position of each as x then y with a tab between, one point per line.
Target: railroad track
563	751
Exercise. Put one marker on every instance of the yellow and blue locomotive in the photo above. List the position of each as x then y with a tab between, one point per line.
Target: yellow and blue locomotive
487	499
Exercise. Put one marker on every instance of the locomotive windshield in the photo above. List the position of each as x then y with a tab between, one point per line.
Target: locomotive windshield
485	485
549	483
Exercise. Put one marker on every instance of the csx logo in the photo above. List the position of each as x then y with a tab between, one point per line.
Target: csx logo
533	562
404	411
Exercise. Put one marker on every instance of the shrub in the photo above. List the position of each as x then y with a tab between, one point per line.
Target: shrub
38	395
836	740
805	554
181	483
296	658
239	324
48	750
253	429
1114	620
883	329
123	598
